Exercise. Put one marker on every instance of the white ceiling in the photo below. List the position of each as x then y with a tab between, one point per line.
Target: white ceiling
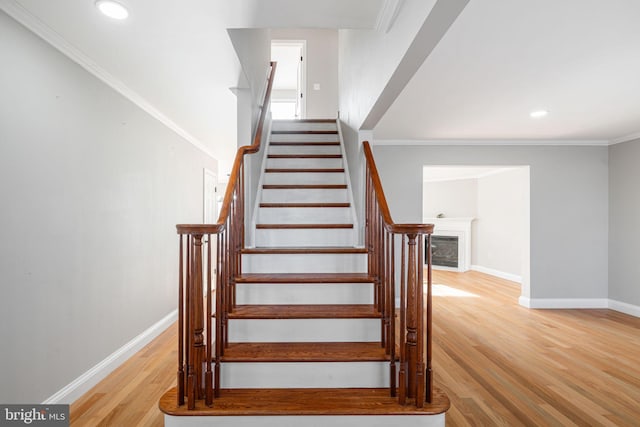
502	59
176	58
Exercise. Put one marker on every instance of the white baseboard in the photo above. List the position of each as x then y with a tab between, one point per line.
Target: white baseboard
623	307
72	391
560	303
497	273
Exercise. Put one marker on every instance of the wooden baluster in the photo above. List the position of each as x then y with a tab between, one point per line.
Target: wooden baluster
368	240
198	315
392	326
191	385
219	333
412	295
227	302
208	378
420	380
387	292
402	375
429	373
180	380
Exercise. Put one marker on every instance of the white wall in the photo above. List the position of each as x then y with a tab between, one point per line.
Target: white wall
502	221
91	189
454	199
624	226
322	68
568	210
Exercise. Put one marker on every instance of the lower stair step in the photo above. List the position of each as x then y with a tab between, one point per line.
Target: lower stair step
291	407
305	352
305	311
305	278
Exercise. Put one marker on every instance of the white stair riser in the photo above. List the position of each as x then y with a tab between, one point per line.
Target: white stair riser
304	178
305	216
304	263
305	237
308	293
308	421
305	196
304	163
302	137
302	126
304	149
305	375
304	330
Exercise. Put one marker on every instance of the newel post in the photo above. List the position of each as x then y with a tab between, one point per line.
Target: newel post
412	315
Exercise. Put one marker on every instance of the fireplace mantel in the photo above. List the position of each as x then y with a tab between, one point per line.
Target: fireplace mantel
461	228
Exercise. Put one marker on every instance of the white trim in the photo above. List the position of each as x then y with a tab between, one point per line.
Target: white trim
437	420
623	307
258	199
481	142
625	138
387	15
497	273
564	303
82	384
37	26
345	163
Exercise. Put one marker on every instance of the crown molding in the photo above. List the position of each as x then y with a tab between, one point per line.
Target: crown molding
625	138
480	142
49	35
387	15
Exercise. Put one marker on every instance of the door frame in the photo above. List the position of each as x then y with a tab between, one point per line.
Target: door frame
302	79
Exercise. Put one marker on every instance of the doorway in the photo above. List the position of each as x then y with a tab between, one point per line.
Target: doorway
488	209
288	97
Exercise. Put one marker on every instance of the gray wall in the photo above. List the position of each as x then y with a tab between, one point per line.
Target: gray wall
91	190
624	222
569	206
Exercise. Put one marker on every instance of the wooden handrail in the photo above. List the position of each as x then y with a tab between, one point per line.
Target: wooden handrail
199	354
235	169
382	201
414	335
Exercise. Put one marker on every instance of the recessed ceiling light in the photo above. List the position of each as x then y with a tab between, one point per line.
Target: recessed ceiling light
112	9
539	113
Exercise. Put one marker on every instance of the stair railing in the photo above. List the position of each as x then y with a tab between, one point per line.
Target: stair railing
201	345
382	238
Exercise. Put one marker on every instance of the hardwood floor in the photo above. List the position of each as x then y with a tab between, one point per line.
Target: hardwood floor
500	364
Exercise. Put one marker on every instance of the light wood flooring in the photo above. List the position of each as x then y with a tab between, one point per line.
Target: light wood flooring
500	364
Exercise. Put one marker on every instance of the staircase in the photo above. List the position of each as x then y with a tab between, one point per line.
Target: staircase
302	330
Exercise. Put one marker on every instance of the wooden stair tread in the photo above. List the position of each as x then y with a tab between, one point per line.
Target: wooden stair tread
305	250
304	170
304	120
305	352
305	401
305	205
304	156
309	143
304	278
305	311
300	226
304	187
304	132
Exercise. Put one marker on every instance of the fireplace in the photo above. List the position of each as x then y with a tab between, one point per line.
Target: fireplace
451	243
444	251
